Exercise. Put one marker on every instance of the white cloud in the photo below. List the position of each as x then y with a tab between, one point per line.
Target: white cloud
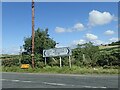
95	42
91	37
59	29
113	39
98	42
79	27
99	18
109	32
59	46
76	27
81	41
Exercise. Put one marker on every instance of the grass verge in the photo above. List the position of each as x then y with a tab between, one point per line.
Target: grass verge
63	70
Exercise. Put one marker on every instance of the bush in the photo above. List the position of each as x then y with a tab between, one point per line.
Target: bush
9	63
110	67
106	67
39	64
26	59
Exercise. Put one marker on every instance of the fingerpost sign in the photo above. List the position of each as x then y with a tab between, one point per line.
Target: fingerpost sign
54	52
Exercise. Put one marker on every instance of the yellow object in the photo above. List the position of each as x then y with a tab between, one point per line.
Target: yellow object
25	66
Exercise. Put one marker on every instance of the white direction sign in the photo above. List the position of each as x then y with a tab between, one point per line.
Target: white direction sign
66	51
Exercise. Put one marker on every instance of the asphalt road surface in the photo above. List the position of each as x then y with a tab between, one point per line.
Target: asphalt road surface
29	80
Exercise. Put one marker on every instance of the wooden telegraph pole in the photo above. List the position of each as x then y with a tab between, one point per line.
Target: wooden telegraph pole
32	55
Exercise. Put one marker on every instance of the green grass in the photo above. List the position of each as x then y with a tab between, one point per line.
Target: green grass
63	70
108	47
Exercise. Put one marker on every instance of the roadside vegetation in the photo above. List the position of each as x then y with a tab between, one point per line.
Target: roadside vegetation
86	58
63	70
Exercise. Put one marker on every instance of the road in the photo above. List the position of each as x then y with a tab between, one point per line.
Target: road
29	80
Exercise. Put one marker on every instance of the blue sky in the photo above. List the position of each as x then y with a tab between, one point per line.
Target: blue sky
68	23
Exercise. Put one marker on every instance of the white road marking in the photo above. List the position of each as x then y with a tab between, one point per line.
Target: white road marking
90	87
93	87
15	80
58	84
3	79
103	87
26	81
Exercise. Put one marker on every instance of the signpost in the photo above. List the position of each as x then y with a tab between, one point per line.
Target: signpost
45	61
60	62
65	51
69	62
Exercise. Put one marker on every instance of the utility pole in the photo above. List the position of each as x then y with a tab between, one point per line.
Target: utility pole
20	55
32	55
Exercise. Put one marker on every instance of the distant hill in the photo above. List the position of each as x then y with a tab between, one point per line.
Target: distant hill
8	57
114	43
110	46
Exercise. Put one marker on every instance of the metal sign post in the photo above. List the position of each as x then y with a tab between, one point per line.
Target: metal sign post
69	61
45	61
60	62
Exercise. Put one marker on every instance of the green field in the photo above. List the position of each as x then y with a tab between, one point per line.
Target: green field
108	47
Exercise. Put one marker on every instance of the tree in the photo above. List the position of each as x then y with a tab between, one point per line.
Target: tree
77	55
86	54
92	53
109	57
42	41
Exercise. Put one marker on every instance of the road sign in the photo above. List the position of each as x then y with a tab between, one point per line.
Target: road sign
66	51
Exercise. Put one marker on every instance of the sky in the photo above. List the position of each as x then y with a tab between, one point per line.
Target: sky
69	24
